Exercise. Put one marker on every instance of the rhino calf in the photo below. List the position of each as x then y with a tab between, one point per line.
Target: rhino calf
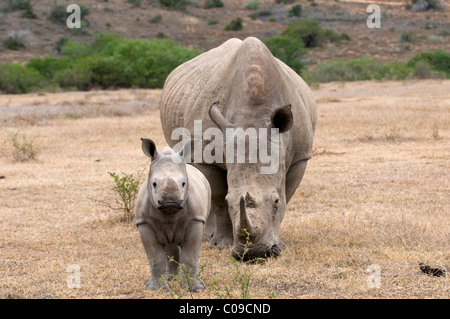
171	210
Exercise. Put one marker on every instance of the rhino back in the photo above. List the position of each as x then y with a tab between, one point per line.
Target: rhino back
248	81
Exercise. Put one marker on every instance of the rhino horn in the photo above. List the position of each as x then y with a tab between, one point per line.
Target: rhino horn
245	222
217	117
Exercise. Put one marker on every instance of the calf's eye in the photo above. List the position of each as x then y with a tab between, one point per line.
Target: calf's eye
154	184
183	184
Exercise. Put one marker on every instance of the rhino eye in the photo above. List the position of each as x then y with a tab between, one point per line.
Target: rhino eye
154	184
183	184
277	201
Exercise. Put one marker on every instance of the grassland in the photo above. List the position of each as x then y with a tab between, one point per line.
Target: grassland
376	192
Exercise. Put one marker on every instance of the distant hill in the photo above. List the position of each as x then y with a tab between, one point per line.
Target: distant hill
403	33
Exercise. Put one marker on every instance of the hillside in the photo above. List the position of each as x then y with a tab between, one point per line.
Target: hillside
403	33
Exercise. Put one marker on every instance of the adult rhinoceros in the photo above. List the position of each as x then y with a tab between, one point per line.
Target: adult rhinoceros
240	84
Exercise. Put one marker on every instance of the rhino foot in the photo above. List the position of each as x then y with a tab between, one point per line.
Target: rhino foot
221	242
152	285
198	286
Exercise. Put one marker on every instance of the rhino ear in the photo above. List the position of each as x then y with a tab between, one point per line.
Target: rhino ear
282	118
149	148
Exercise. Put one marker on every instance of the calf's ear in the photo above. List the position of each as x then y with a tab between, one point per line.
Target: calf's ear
282	118
149	148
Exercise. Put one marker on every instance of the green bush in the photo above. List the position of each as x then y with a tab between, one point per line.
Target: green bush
49	66
252	5
295	11
78	77
363	68
16	79
156	19
28	13
439	61
310	32
180	5
16	5
213	4
234	25
288	50
59	15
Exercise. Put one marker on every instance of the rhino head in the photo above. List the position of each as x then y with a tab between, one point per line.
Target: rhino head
256	202
167	179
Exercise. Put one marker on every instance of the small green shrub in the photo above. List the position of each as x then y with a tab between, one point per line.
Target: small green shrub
127	188
16	5
310	32
295	11
156	19
234	25
213	21
59	15
407	37
24	148
252	4
213	4
417	6
28	13
288	50
15	42
180	5
59	44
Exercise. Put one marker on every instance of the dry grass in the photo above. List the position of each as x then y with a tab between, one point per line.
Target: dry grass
377	192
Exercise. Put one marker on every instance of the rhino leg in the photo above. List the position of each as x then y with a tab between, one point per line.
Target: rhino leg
173	258
223	232
294	177
218	229
189	255
155	254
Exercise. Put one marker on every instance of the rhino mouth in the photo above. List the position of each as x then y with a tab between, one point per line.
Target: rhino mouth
254	255
170	206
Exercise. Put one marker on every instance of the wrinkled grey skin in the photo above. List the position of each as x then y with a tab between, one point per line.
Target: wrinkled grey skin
171	210
240	85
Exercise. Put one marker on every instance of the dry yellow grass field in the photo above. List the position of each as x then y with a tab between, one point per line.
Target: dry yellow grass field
375	193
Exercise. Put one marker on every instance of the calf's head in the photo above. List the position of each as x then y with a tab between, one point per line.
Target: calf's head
167	179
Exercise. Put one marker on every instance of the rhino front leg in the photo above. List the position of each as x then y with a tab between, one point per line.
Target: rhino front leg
155	254
190	251
293	178
218	229
223	231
